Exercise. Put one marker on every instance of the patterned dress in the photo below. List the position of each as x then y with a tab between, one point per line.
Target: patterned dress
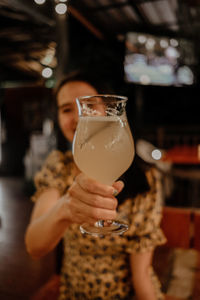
99	268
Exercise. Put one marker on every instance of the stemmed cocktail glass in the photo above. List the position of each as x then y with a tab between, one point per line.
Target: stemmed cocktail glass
103	148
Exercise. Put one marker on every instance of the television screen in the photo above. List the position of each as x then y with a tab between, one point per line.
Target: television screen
159	60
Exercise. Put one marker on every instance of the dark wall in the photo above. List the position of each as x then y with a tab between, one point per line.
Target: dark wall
101	57
22	112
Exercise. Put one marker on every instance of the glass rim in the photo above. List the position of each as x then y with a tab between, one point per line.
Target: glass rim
119	98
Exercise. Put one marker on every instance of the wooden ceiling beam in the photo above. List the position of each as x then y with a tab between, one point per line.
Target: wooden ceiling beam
75	13
17	5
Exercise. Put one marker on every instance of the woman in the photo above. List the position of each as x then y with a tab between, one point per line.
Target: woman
110	267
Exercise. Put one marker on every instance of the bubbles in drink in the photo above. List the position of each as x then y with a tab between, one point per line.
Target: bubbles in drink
103	147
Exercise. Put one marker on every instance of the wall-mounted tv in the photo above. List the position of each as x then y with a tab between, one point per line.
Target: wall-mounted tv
157	60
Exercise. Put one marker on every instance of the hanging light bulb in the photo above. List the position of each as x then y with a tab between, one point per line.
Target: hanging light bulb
40	2
156	154
47	72
61	8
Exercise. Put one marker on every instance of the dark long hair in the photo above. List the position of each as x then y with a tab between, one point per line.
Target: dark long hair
134	178
98	81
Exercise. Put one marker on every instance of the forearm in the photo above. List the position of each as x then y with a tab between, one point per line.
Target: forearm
44	232
144	287
85	201
141	264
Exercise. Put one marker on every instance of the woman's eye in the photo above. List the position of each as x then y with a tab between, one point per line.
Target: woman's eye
66	110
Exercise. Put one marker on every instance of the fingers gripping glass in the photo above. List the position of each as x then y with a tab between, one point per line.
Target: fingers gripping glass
103	148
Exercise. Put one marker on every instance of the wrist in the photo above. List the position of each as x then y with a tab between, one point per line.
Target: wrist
63	215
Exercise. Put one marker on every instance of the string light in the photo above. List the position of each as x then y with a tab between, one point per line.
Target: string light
174	42
156	154
142	39
164	43
61	8
40	2
47	72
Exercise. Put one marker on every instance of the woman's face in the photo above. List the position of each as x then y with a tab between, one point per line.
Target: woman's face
67	108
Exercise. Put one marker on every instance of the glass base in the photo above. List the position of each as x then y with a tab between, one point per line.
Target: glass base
102	228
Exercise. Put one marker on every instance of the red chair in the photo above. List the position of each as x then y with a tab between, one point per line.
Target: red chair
176	226
182	229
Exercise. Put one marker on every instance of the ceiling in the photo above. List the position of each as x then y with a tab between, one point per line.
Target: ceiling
31	35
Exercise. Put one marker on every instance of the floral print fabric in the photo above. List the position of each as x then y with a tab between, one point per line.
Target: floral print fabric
99	268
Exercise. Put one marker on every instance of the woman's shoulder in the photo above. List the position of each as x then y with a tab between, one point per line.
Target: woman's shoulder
152	175
57	156
57	164
57	172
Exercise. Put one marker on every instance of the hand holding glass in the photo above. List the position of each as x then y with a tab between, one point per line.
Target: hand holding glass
103	148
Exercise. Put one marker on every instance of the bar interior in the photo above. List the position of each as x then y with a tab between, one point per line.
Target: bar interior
147	51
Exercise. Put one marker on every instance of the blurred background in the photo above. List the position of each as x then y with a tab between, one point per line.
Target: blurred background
147	49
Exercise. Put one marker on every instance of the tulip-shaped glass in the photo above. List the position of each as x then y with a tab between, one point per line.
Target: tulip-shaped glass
103	148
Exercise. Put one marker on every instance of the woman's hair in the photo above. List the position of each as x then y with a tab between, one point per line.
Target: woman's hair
134	179
98	81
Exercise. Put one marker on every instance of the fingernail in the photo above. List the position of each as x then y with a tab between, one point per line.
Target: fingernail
115	193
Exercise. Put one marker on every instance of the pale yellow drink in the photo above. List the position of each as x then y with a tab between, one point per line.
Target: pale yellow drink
103	147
